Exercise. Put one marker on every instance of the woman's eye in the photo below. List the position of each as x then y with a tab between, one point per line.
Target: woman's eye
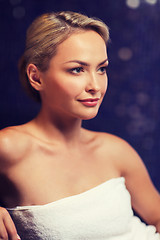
76	70
103	70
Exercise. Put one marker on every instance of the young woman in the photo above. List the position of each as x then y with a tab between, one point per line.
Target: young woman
58	180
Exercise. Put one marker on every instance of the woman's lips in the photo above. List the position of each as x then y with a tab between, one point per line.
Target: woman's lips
89	102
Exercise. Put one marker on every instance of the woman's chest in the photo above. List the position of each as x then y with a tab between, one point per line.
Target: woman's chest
41	180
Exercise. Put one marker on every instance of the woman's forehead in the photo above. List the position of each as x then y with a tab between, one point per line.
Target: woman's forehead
81	45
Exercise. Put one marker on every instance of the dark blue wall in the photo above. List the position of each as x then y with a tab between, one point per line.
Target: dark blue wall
131	107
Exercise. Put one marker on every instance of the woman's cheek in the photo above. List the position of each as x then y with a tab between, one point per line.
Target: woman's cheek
104	86
74	87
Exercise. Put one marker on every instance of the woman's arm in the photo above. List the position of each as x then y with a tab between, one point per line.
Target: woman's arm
158	226
7	227
145	198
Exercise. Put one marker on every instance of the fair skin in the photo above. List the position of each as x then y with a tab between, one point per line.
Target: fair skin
52	156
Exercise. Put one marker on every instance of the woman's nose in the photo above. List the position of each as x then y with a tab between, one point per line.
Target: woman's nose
93	84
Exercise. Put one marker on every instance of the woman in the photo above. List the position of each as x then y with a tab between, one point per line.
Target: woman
62	181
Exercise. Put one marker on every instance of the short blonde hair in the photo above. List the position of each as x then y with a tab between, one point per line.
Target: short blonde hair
46	33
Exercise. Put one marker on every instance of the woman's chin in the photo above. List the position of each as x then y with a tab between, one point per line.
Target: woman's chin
89	116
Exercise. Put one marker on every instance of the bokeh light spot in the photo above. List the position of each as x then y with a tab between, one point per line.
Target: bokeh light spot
142	98
133	3
14	2
19	12
125	53
152	2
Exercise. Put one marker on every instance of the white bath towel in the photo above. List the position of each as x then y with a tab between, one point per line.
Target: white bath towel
101	213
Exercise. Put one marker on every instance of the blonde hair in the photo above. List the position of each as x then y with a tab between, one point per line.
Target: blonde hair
44	36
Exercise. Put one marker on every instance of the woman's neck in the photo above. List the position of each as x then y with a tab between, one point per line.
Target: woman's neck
54	127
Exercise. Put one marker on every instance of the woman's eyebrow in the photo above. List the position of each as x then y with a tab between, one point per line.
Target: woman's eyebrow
85	63
106	60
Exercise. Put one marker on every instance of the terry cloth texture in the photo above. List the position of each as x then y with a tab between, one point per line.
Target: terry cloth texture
101	213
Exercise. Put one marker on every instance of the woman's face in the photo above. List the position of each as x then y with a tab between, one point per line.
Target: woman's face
76	81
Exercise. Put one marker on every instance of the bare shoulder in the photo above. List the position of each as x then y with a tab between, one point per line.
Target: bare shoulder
128	158
13	145
107	140
117	149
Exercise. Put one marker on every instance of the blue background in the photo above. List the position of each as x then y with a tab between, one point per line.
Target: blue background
131	106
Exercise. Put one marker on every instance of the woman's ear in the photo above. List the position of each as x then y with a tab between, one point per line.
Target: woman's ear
34	77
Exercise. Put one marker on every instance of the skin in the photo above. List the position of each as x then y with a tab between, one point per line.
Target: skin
54	156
